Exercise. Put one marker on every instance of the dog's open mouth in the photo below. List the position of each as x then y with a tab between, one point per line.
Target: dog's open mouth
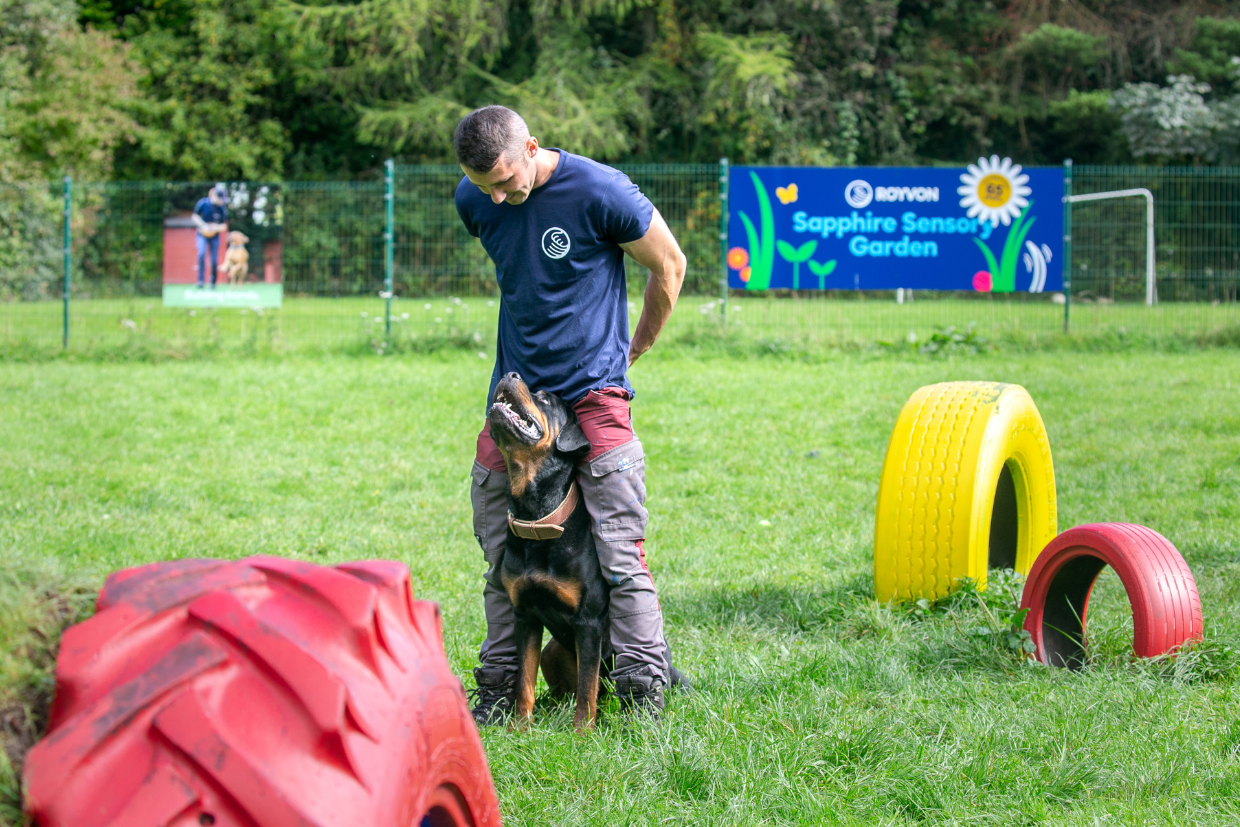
509	414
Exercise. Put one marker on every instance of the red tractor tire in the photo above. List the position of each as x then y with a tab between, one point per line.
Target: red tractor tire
259	693
1166	610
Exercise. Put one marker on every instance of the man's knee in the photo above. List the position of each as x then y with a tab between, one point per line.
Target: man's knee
623	564
633	596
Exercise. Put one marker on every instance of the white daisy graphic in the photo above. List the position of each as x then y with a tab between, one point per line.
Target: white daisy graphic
994	190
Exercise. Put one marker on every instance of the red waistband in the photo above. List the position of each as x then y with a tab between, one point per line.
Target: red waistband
605	418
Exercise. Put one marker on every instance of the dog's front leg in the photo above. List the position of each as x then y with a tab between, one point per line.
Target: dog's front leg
589	657
528	634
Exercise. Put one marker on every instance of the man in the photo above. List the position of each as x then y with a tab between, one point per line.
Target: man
210	217
557	226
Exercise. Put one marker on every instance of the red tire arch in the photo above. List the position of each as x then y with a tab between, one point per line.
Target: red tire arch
1166	611
259	693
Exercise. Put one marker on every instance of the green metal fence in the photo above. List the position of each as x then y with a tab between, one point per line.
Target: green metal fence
31	242
1197	232
436	256
387	263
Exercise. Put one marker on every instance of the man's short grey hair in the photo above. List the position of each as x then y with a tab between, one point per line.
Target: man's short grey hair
485	134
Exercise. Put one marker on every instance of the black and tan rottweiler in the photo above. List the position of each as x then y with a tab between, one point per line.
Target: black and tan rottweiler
550	569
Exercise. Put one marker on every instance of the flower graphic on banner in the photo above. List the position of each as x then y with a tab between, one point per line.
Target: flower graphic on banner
761	243
1036	261
794	256
786	195
994	190
738	259
1000	275
822	270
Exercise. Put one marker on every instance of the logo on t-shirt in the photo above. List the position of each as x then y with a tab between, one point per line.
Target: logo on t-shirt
555	243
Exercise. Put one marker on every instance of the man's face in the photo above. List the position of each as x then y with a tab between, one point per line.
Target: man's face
216	198
511	179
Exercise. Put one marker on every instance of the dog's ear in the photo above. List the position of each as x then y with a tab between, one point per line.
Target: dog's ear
572	440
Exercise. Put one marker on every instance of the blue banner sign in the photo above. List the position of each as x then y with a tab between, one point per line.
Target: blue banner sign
991	227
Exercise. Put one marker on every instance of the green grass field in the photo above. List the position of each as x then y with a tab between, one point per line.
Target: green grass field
814	705
128	328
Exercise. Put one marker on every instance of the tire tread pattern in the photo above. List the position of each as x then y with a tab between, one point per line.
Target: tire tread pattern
1166	606
257	693
926	504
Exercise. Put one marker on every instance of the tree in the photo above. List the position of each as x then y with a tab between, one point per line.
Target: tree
64	94
1171	122
1194	118
234	89
211	80
64	109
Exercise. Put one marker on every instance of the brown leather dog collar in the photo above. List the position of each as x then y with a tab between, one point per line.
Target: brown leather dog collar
549	527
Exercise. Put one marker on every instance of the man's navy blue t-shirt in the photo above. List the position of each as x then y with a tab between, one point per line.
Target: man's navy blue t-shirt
563	316
211	213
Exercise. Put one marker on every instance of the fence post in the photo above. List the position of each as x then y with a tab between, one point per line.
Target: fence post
1151	285
389	237
723	239
68	255
1067	241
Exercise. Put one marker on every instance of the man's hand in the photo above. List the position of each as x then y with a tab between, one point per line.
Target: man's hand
657	251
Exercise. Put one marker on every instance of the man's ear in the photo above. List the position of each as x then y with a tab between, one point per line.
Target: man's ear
572	440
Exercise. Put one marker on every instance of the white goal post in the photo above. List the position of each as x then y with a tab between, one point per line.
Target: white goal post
1150	294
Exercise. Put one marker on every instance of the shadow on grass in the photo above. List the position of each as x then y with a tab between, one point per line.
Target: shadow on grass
782	609
969	631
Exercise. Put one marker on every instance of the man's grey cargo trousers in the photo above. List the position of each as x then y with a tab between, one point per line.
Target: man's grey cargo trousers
613	485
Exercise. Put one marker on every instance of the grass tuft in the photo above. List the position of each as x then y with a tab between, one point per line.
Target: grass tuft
37	602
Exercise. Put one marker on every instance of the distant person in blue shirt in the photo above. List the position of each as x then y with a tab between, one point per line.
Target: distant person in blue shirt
210	217
558	227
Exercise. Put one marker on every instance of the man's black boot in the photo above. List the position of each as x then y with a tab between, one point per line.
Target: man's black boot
640	693
495	695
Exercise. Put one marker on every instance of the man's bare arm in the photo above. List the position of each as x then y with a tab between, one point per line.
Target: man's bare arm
657	251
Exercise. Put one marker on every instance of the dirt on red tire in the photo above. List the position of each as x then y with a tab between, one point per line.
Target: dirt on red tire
259	693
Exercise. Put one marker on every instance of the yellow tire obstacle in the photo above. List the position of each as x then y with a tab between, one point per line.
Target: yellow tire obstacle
968	485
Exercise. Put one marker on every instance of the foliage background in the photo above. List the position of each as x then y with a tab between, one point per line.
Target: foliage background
273	89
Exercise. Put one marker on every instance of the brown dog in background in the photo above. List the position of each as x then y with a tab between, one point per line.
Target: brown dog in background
236	264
